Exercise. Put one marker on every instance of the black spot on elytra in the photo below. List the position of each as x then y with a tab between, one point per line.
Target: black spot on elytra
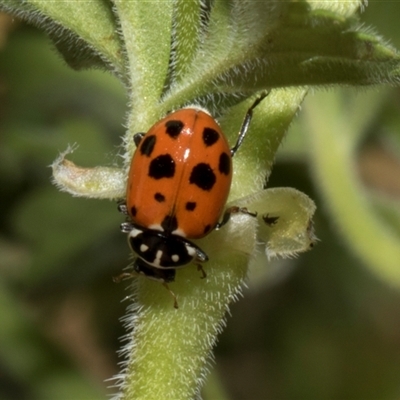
210	136
190	205
169	223
133	211
159	197
162	167
224	165
174	128
203	176
147	145
207	229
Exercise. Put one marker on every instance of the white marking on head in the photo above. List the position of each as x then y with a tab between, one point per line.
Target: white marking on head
198	108
143	247
135	232
175	257
157	260
191	250
179	232
156	227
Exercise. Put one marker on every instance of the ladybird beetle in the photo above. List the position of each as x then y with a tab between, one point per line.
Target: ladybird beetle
178	185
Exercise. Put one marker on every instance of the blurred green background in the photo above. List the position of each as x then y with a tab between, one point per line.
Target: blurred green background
320	326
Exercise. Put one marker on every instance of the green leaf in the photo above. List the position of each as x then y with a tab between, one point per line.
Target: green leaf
301	46
232	31
345	8
83	31
271	119
146	29
188	30
229	52
317	48
98	182
285	221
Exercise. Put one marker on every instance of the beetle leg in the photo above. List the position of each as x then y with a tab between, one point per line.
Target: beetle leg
203	273
165	284
246	122
137	138
233	210
122	207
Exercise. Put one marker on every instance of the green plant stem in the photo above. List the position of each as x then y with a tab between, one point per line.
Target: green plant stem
171	347
333	161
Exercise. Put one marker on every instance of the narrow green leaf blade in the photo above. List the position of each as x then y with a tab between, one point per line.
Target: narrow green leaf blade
317	48
187	29
345	8
146	30
302	47
85	32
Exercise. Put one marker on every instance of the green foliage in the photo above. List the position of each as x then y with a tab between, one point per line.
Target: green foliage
371	238
55	250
